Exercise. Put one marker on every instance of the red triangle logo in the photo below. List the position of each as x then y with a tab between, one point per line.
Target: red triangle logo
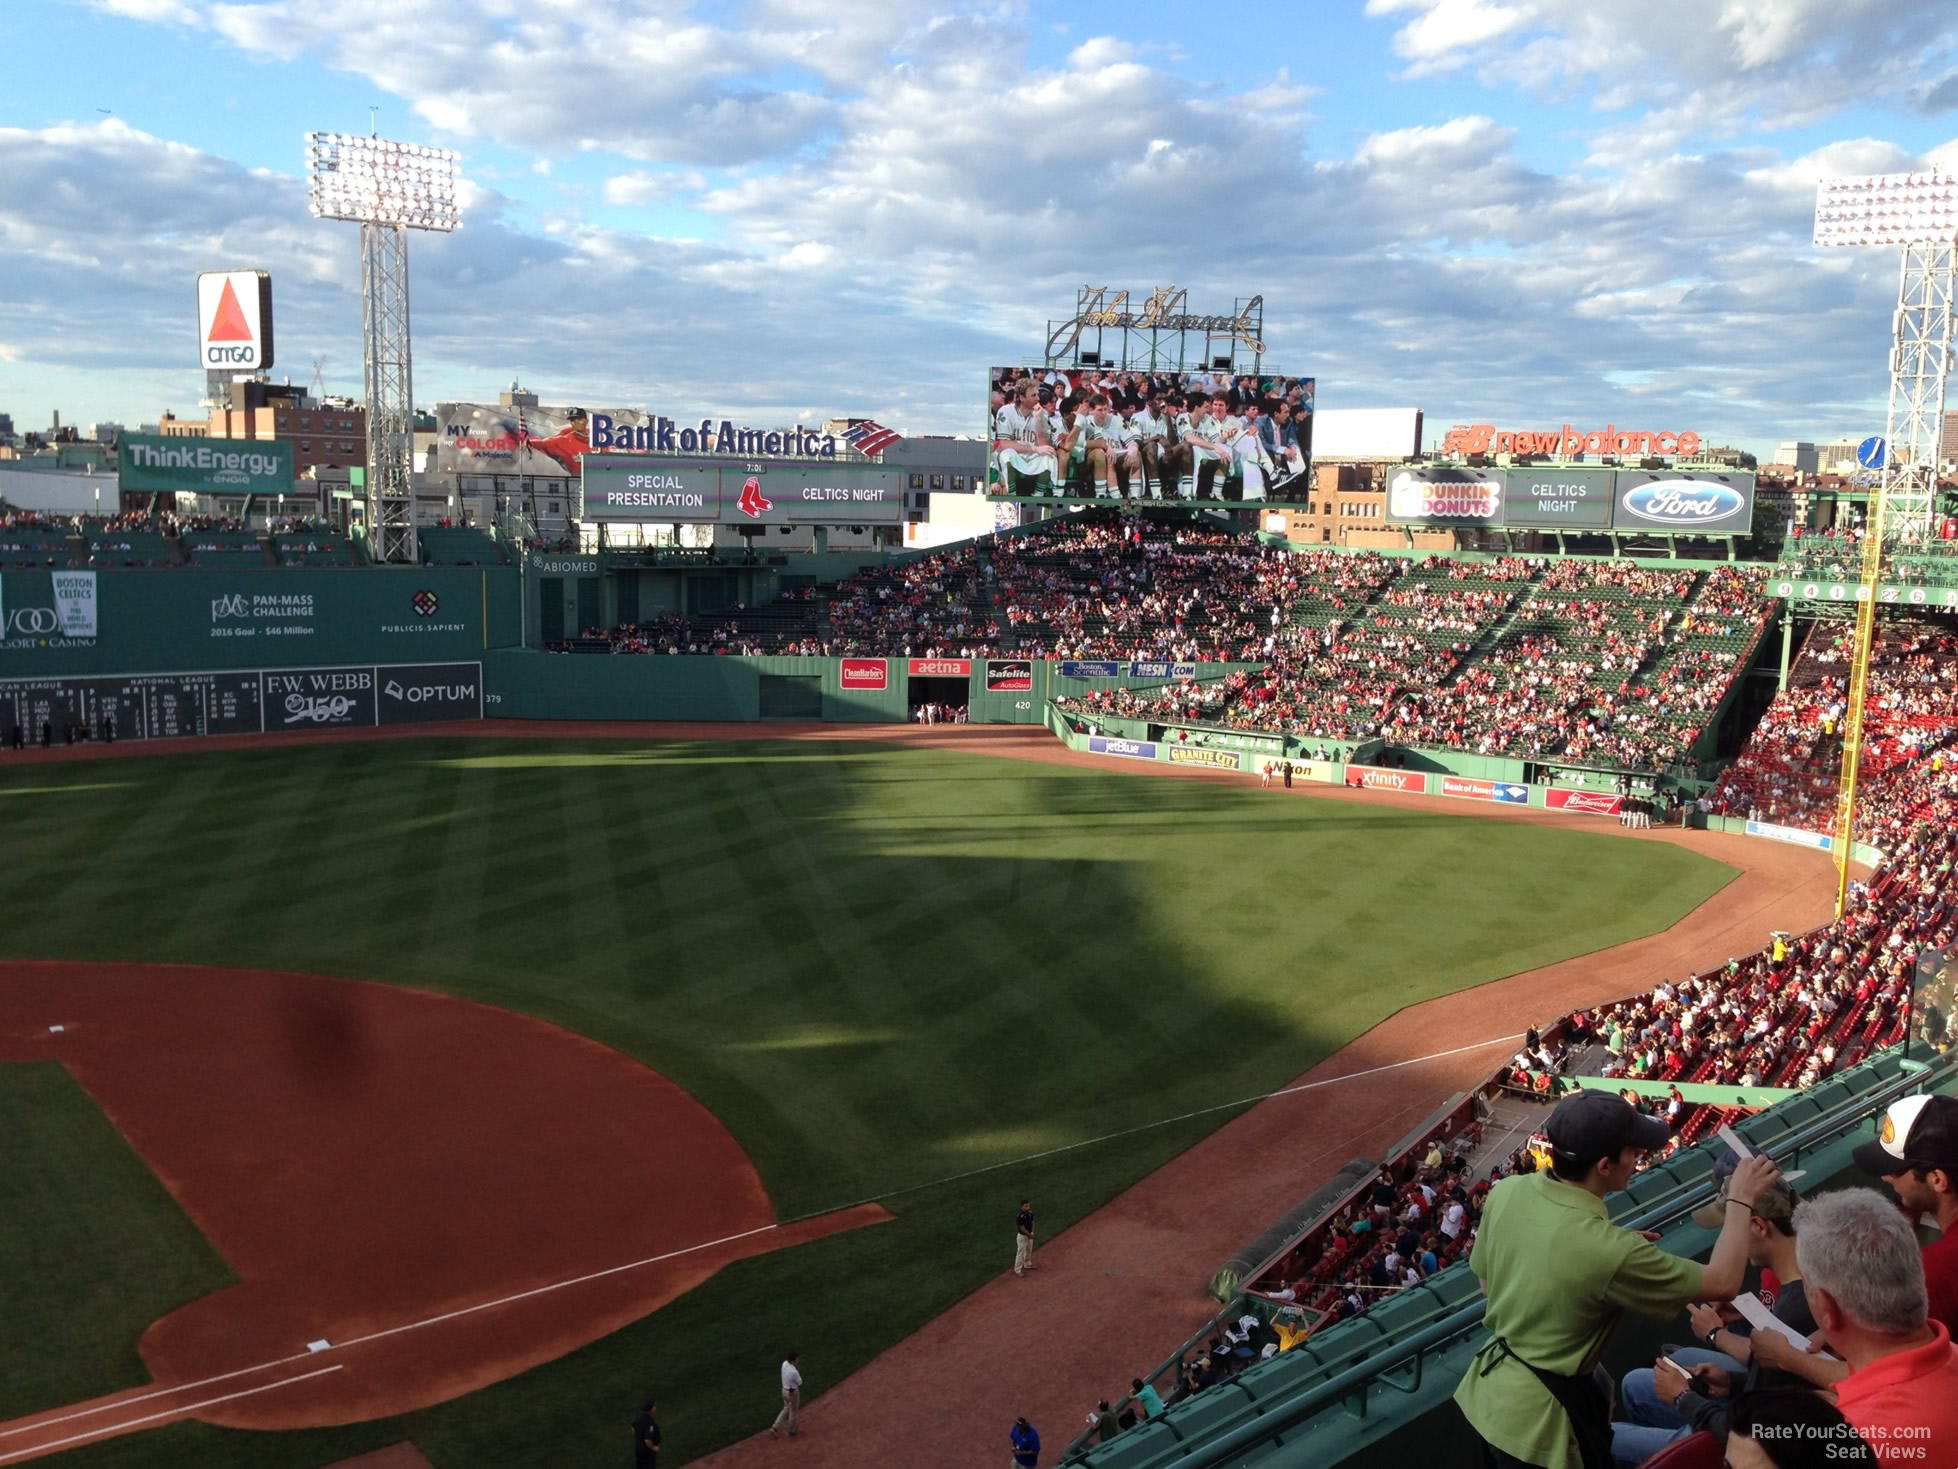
228	324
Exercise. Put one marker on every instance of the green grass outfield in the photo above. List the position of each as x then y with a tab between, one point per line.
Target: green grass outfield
879	967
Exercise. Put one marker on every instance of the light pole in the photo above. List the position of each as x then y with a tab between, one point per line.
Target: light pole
1918	214
386	188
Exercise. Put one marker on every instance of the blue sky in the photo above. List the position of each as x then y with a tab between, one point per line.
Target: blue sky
1501	210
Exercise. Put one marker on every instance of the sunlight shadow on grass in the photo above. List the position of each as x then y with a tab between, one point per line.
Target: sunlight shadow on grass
99	785
820	1037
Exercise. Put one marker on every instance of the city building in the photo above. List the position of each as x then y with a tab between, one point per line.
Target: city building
1798	455
1947	439
328	433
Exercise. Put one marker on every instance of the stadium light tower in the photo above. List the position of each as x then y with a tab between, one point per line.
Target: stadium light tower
1917	213
387	189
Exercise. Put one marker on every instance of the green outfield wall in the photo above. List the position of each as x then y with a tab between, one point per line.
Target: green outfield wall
189	619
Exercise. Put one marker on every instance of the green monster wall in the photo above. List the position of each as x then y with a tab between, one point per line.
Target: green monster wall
194	620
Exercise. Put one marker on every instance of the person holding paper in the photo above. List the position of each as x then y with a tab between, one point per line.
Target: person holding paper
1558	1273
1660	1404
1865	1281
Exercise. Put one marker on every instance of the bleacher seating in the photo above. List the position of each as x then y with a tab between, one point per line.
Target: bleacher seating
29	540
458	545
314	548
222	548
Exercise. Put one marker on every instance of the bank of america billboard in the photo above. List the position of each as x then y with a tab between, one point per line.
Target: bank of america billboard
1574	498
492	438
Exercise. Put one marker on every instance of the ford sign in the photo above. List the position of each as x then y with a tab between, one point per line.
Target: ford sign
1684	503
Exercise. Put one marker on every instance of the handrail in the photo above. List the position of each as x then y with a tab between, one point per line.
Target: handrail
1667	1207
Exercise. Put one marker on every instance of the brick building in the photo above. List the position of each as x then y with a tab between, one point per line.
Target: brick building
325	434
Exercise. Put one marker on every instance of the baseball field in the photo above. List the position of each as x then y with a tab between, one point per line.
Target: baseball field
887	992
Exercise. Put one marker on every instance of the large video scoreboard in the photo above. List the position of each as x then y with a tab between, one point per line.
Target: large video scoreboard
671	489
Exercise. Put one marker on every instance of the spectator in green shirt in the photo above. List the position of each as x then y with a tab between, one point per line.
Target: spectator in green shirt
1558	1272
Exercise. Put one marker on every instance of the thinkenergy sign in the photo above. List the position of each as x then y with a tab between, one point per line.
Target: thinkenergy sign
204	466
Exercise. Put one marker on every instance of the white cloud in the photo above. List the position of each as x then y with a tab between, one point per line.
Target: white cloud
932	198
162	12
640	187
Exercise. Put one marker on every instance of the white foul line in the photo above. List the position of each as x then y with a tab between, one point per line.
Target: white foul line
161	1392
523	1295
75	1438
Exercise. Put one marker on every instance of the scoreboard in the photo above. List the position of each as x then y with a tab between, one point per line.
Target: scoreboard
159	706
723	490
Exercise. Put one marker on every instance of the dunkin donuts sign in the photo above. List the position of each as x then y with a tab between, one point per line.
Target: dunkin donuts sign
865	673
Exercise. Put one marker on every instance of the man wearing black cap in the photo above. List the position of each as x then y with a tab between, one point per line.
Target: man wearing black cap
1916	1152
1558	1272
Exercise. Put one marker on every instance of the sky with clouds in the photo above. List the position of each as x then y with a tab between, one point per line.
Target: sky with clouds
1518	211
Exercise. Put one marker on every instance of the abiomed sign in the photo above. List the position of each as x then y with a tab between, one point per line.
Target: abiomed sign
151	462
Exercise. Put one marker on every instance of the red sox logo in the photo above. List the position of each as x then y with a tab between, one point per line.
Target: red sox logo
753	503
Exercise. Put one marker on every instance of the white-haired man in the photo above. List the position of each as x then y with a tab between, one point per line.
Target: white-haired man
1865	1282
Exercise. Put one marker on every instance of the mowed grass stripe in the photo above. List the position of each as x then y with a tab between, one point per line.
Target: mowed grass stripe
877	967
95	1249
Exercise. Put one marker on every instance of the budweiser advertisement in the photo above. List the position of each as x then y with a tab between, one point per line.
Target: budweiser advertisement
865	673
1373	778
1592	803
940	668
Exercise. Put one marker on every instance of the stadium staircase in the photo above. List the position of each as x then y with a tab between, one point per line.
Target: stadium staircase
1374	1390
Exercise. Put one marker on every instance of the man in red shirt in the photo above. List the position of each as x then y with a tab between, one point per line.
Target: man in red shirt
1865	1282
1916	1152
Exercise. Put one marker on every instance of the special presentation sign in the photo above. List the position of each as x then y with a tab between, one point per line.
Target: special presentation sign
669	490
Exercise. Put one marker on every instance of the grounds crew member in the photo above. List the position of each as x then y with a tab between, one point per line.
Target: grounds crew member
1558	1272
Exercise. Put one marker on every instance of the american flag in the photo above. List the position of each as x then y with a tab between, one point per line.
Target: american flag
871	437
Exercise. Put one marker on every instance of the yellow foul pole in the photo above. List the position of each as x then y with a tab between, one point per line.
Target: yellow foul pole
1859	688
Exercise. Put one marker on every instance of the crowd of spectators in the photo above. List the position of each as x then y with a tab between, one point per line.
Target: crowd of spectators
1790	772
1415	1219
1603	662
